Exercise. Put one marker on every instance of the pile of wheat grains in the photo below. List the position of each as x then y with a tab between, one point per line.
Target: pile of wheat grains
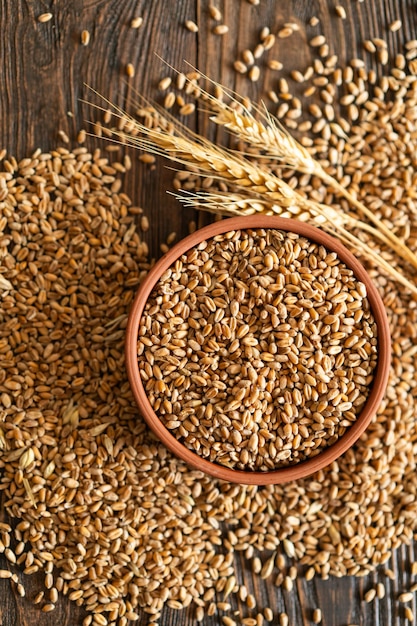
257	348
115	521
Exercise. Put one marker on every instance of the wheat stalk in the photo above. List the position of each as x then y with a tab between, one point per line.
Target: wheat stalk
272	194
273	139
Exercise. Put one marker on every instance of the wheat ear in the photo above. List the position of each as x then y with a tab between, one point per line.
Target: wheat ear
277	143
185	147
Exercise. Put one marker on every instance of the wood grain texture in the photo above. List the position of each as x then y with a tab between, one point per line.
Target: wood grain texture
43	70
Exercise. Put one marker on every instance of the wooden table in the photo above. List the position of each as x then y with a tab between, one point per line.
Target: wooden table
43	71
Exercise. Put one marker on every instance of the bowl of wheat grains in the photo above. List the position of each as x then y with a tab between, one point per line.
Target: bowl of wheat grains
258	349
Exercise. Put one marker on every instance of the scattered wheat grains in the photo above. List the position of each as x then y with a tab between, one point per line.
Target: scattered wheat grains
240	67
136	22
254	73
81	137
317	41
164	83
171	238
147	158
395	26
130	70
63	135
380	591
407	596
247	56
220	29
274	64
370	595
191	26
169	100
283	619
340	11
285	32
85	37
187	109
258	51
215	13
45	17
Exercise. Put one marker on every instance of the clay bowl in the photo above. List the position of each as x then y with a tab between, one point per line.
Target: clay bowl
322	459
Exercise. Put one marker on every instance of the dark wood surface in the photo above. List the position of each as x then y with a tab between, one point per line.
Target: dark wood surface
43	71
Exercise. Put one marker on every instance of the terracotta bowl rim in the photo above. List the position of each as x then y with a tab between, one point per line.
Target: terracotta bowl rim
303	468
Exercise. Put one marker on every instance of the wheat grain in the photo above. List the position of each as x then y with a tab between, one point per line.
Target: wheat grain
407	596
215	13
274	64
85	37
130	70
240	67
341	12
136	22
191	26
187	109
254	73
63	135
285	32
248	58
258	51
395	26
317	41
45	17
370	595
283	619
220	29
164	83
